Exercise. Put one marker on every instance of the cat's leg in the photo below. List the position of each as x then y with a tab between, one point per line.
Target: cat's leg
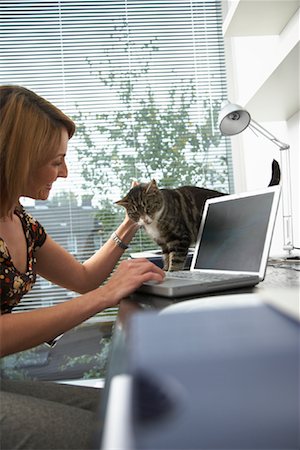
176	261
166	257
178	253
178	249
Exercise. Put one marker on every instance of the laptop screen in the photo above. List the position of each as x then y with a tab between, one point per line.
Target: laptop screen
234	233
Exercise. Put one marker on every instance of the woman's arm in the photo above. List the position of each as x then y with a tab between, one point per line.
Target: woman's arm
55	264
21	331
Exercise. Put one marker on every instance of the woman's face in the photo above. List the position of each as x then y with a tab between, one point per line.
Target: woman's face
41	179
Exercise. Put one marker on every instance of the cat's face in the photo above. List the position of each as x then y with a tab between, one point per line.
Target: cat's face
142	202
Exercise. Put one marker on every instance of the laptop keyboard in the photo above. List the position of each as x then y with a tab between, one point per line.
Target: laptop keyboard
203	276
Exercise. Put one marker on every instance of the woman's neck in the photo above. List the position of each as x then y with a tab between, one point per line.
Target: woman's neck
9	216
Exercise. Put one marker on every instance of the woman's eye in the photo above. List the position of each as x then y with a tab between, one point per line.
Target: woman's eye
57	163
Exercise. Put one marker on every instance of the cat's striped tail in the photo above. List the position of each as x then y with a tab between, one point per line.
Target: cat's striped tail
275	179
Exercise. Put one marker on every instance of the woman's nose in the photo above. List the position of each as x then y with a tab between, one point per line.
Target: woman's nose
63	172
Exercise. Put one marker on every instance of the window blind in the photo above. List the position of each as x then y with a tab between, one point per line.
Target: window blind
144	82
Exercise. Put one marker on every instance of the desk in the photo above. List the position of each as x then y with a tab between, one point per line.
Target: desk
277	282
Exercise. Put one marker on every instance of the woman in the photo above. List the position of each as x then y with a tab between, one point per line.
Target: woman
34	136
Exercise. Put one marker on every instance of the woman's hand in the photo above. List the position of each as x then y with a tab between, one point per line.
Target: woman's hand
130	275
127	219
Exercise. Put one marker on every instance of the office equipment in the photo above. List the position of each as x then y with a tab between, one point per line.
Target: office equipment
218	378
232	246
233	119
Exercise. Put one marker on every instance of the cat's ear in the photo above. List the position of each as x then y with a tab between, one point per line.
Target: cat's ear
152	186
122	202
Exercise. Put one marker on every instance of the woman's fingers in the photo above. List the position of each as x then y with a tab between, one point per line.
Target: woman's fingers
130	275
143	266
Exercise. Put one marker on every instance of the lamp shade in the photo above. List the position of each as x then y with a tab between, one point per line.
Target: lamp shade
233	119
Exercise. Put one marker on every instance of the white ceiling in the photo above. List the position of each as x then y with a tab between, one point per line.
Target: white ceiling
255	17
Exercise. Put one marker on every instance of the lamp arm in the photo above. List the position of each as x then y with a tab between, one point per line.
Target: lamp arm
268	135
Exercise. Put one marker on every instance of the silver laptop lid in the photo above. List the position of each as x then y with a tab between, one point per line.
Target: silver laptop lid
236	232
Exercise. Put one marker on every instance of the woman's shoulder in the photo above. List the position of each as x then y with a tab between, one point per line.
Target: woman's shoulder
32	225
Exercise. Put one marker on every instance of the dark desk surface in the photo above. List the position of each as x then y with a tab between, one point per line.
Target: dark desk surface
280	283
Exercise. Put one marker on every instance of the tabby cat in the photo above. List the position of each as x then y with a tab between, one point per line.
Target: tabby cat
171	217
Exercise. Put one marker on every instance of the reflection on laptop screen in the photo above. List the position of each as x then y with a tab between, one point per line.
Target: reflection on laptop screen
233	230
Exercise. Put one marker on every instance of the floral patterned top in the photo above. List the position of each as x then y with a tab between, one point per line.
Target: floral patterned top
14	284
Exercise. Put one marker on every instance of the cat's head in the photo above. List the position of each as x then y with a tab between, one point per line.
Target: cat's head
142	202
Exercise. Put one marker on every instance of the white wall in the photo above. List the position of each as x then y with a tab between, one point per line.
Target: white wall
251	62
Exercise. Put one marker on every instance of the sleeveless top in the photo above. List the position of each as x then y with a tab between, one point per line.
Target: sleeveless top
14	284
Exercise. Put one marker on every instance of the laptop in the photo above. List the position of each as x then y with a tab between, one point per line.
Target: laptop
232	247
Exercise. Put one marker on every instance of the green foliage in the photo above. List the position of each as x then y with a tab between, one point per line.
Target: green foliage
15	366
150	142
98	361
145	137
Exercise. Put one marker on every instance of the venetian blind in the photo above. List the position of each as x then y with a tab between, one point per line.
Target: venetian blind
143	81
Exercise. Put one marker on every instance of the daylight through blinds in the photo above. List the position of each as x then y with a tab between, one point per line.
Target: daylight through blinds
144	82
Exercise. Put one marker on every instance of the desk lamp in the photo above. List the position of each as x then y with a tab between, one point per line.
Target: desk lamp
233	119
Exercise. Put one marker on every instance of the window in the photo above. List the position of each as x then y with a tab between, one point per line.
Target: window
143	81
